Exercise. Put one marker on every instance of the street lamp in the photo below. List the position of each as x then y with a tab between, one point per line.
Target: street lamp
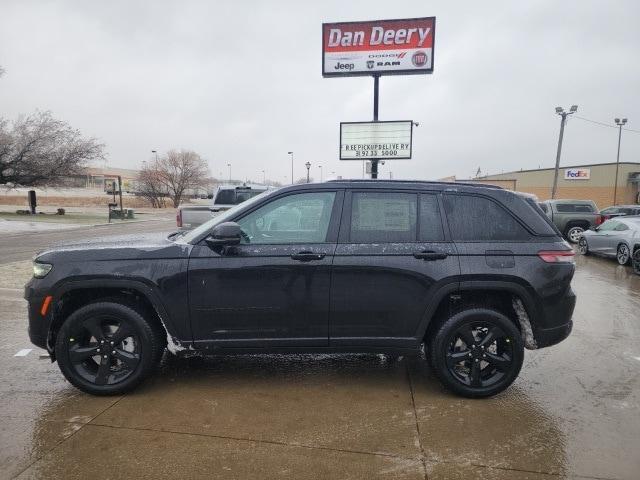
291	153
264	178
229	165
619	123
320	167
156	153
308	165
563	119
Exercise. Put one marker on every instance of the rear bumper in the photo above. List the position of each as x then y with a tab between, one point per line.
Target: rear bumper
550	336
559	314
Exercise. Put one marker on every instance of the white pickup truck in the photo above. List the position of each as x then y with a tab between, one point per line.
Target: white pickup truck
226	196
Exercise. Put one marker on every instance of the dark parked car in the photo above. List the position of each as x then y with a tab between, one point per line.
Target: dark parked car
474	273
620	210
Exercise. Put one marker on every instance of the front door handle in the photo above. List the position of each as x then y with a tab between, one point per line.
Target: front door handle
430	255
307	256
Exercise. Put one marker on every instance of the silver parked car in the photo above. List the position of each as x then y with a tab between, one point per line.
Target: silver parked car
617	237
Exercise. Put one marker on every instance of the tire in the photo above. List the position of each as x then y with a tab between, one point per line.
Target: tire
133	348
636	261
506	352
573	233
583	246
623	255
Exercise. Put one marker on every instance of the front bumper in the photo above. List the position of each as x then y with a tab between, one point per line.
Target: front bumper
38	324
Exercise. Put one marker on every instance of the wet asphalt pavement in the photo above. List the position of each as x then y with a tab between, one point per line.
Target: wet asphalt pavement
574	411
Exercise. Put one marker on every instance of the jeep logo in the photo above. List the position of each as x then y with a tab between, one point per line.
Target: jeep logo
344	66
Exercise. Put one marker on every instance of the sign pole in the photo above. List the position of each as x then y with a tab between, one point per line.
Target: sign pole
376	82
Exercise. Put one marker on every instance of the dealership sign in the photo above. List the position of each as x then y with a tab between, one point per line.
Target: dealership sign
376	140
382	47
577	174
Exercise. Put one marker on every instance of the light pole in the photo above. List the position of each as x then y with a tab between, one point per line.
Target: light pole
229	165
320	167
563	118
156	153
308	165
291	153
264	178
619	123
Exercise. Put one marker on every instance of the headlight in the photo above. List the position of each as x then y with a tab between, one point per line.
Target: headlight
40	270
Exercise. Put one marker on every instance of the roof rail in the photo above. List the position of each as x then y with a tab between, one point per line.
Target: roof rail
426	182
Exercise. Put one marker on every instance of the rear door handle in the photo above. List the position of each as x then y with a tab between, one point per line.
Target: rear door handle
307	256
430	256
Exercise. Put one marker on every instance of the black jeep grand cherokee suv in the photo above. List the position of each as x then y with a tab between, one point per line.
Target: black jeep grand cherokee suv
475	273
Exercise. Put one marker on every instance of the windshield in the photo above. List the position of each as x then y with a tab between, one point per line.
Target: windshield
223	217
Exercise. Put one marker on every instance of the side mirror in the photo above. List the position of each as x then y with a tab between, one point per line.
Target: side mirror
226	233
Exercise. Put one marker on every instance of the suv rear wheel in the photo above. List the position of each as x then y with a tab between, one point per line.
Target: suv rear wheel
476	353
107	348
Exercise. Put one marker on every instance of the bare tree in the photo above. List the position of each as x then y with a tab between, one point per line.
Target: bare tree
38	149
1	71
172	175
150	187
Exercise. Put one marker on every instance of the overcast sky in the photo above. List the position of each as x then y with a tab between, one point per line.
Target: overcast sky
240	82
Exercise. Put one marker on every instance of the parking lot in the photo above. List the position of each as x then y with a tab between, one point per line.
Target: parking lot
574	411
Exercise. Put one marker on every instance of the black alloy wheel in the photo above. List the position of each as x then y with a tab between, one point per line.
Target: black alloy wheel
477	353
107	348
104	350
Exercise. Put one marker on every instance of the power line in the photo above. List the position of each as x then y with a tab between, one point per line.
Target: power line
605	124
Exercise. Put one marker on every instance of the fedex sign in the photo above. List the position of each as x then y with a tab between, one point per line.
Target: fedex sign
577	174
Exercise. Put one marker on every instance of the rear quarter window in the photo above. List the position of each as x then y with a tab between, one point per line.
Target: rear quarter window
479	219
574	208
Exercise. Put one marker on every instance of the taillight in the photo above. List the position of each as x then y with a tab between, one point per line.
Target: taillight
600	219
179	218
558	256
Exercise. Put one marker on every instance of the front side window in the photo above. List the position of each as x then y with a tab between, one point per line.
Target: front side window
298	218
608	226
478	219
383	217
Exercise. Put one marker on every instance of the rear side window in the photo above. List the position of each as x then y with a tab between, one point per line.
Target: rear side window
574	208
383	217
430	221
479	219
225	197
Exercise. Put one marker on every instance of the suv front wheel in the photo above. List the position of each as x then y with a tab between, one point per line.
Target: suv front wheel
107	348
476	353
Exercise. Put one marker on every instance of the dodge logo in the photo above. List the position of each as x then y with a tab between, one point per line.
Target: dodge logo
419	59
369	64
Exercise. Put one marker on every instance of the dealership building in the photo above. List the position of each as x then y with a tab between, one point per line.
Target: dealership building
581	182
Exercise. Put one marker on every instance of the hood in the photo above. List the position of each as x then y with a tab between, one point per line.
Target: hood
121	247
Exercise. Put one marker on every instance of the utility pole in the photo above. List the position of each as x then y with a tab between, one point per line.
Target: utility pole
563	118
376	84
619	123
291	153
